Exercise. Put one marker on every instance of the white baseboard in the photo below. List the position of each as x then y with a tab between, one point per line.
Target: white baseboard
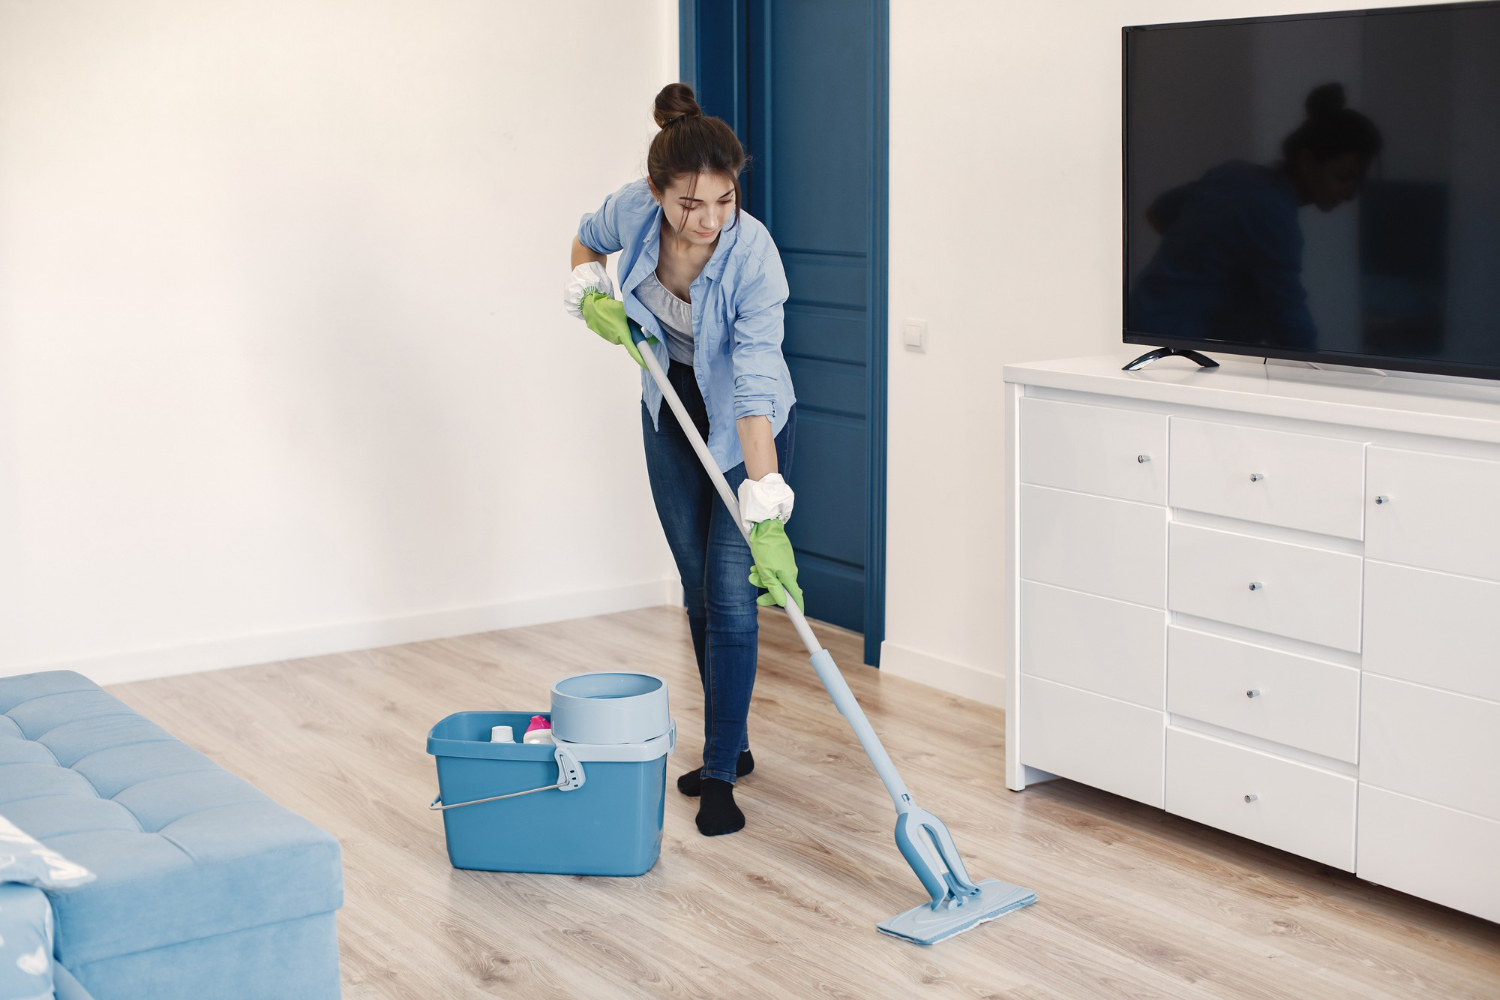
295	644
945	675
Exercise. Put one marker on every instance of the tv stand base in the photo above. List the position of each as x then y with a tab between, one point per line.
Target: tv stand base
1204	361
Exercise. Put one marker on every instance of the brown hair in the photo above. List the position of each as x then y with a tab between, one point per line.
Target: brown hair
691	143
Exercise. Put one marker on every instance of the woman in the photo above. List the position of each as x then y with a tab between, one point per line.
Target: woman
705	281
1230	262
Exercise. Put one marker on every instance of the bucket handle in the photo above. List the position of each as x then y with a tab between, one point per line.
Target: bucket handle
569	776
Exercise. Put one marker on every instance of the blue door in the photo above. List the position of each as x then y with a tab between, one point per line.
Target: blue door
803	83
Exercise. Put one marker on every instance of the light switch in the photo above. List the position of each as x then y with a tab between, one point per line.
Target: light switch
916	335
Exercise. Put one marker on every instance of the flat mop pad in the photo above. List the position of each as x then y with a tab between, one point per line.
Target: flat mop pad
930	923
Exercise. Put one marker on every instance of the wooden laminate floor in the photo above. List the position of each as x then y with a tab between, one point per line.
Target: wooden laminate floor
1133	902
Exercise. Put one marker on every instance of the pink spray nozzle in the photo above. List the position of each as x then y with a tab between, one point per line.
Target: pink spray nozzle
537	722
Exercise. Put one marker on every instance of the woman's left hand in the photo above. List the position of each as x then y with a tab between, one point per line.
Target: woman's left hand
605	315
775	566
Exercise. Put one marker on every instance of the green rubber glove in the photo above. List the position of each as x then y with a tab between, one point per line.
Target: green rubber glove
775	567
605	315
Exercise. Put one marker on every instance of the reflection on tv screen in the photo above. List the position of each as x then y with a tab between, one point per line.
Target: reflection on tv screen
1324	187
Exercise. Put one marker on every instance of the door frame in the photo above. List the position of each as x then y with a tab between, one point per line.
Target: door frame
714	58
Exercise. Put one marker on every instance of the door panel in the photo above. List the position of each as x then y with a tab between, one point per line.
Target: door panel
808	182
813	106
808	100
833	446
843	390
825	279
814	331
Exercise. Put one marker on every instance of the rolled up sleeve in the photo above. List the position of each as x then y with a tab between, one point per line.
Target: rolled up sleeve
758	331
600	231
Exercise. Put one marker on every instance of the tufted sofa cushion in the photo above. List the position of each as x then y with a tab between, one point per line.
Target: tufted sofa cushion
183	849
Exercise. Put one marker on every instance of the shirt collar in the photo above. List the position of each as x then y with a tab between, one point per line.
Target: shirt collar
714	269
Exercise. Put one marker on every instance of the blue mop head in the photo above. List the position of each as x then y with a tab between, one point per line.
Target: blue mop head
929	923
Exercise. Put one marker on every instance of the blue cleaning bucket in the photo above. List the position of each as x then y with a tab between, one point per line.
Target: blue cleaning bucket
573	808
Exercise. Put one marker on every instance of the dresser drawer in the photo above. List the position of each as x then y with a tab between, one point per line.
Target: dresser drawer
1104	646
1273	477
1291	806
1093	739
1431	744
1294	700
1433	628
1434	511
1113	548
1277	587
1094	449
1429	851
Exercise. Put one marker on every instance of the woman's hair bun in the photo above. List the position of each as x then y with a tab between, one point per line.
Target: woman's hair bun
1332	128
1325	100
675	101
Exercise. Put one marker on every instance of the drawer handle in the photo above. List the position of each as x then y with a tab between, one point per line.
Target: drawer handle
1257	585
1382	499
1251	797
1256	477
1253	693
1143	459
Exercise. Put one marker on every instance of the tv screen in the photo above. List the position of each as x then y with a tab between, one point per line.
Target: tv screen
1320	187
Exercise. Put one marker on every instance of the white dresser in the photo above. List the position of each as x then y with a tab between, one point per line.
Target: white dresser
1266	599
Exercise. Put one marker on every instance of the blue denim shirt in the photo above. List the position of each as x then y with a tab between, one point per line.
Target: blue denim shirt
737	314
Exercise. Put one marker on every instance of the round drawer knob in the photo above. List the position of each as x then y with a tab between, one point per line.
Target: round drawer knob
1143	459
1257	586
1382	499
1256	477
1251	797
1253	693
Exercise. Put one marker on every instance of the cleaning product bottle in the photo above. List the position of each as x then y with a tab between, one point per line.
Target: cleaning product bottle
539	731
502	734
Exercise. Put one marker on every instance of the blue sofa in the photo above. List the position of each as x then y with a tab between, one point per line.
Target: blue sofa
205	889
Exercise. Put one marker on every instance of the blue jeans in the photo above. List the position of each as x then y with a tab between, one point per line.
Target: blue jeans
714	563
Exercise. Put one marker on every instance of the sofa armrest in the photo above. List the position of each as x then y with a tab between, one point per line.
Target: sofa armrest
25	941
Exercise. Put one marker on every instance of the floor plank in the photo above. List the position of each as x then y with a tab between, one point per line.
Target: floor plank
1134	902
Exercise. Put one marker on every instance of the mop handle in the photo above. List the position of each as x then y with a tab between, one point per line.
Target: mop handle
822	660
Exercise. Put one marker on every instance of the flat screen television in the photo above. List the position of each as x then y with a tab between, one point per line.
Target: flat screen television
1317	187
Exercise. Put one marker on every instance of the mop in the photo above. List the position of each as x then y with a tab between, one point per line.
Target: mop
957	902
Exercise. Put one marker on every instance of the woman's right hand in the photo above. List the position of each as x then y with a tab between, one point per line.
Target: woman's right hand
775	565
587	277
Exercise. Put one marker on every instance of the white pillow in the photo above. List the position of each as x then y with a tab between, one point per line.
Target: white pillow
24	860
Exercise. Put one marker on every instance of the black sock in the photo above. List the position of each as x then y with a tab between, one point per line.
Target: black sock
717	813
692	782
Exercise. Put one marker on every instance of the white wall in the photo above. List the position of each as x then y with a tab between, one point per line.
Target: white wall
1005	236
283	365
